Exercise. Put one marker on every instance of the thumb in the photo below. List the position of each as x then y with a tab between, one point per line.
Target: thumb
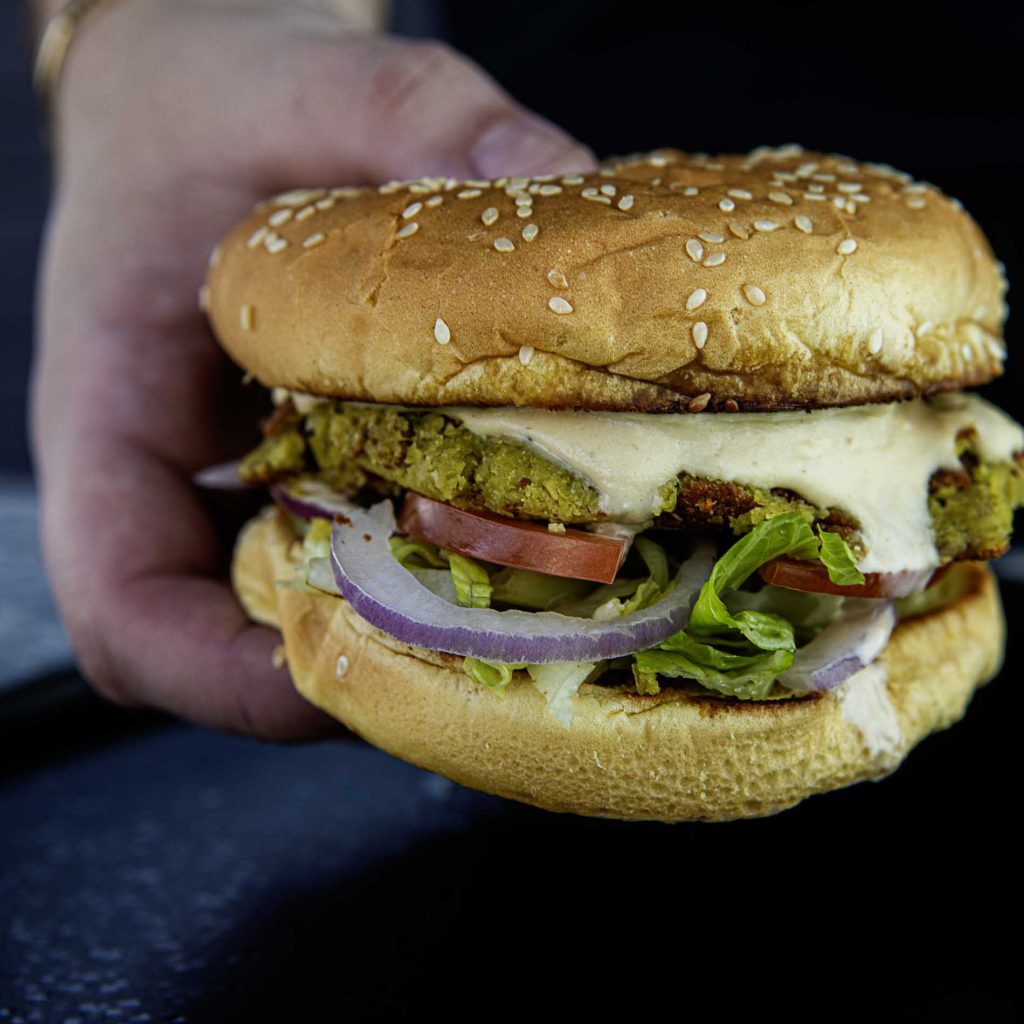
377	107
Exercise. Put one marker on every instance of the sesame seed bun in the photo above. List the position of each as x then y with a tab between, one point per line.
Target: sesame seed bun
673	757
775	280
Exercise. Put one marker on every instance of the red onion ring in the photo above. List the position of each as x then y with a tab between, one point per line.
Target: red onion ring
852	640
388	597
312	499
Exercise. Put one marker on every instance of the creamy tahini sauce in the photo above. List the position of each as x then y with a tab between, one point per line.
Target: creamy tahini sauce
874	462
866	705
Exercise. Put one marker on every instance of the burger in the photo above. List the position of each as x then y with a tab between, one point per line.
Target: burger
646	493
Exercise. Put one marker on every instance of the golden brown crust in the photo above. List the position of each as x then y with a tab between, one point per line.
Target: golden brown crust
320	291
672	757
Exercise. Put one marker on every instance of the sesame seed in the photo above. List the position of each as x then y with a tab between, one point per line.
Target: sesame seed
572	179
968	352
524	211
696	298
916	203
715	259
442	332
325	204
694	250
924	328
305	213
875	341
700	334
522	200
518	183
588	192
550	190
979	312
626	203
490	215
727	206
468	193
596	198
503	244
246	318
411	210
765	225
280	217
525	354
815	197
815	188
450	184
691	190
298	197
409	229
804	223
824	177
608	190
699	403
341	667
256	237
754	295
712	236
478	182
847	246
435	200
740	193
781	197
848	186
276	244
738	229
860	197
313	240
530	232
558	305
557	279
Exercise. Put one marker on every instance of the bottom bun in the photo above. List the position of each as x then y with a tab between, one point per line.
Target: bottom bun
676	756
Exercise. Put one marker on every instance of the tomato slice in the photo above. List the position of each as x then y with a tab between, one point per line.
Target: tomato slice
575	554
796	574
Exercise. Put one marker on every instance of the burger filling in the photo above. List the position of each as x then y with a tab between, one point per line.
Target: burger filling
593	516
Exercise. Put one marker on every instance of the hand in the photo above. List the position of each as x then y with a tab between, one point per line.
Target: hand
174	118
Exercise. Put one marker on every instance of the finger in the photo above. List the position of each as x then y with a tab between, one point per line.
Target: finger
367	109
132	557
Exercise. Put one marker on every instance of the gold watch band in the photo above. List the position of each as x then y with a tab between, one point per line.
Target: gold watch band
56	40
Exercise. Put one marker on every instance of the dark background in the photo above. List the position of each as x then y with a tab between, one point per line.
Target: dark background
149	870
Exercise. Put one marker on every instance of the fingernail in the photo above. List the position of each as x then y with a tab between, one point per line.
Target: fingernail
525	145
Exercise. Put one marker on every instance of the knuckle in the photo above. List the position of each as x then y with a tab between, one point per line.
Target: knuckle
401	77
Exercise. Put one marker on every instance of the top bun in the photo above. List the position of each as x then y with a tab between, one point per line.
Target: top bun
662	282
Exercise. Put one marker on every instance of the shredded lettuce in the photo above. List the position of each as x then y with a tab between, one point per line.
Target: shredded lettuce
535	591
495	675
472	581
417	554
316	542
837	557
559	682
747	676
740	647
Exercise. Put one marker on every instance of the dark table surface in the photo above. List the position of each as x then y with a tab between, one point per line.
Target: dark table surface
153	871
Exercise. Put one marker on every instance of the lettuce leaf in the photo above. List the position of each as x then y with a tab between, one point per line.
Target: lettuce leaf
837	557
740	647
417	554
495	675
559	682
472	581
535	591
746	676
